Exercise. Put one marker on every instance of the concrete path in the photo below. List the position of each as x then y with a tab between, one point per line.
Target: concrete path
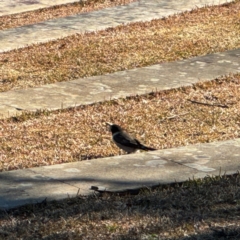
142	10
126	172
16	6
120	84
121	173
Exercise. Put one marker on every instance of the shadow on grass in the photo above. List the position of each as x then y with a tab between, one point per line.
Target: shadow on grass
197	209
217	233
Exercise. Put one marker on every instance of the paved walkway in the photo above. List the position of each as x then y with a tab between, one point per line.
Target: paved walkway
18	6
121	173
126	172
142	10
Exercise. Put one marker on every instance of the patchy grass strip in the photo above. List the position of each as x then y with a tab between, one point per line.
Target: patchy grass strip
198	32
58	11
161	119
197	209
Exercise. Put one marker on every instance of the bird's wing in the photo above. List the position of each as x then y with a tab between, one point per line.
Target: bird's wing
126	140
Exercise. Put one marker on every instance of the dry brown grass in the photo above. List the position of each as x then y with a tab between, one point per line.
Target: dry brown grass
201	31
44	14
80	133
203	209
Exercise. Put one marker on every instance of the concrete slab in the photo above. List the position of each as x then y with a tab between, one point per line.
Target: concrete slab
120	84
15	6
212	158
141	10
22	187
120	173
8	111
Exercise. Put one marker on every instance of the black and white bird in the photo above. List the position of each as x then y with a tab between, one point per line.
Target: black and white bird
124	141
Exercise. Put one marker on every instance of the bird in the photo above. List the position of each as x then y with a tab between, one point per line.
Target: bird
124	141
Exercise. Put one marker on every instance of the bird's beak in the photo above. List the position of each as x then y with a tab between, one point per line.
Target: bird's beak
108	125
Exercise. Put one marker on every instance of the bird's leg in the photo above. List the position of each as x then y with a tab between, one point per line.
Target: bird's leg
120	152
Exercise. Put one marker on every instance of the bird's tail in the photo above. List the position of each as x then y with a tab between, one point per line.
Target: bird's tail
145	148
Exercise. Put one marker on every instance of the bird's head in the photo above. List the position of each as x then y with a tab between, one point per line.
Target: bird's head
114	128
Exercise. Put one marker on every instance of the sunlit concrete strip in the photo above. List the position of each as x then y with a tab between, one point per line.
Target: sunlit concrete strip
142	10
120	173
13	6
120	84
